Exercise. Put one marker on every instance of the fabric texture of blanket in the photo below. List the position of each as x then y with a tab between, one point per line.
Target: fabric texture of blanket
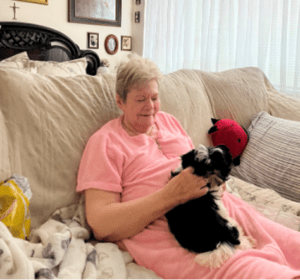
62	248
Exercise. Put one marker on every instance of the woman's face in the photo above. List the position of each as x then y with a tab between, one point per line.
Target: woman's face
140	107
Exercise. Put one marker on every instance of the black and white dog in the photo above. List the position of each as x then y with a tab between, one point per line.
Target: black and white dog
203	225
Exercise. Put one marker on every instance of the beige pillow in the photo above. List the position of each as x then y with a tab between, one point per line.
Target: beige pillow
63	69
236	94
18	61
183	95
45	123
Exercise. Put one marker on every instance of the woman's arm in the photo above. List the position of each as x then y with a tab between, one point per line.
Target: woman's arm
111	220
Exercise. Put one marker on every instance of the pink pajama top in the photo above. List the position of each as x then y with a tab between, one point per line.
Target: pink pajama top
132	165
135	166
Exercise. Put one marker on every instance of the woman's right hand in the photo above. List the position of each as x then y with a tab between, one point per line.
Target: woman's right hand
186	186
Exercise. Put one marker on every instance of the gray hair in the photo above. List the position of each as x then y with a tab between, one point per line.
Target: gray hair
134	73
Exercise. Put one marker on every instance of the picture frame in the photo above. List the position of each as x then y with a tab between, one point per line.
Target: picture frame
93	40
111	44
137	17
126	43
44	2
101	12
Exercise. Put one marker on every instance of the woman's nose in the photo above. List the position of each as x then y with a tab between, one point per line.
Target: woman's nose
150	103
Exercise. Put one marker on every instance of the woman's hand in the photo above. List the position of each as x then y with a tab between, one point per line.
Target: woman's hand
186	186
112	220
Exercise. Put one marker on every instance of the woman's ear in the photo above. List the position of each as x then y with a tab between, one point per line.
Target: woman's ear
119	101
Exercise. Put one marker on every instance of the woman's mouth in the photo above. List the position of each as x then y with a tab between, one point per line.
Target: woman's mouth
146	115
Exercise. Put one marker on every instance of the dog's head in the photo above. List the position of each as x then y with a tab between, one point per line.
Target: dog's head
214	163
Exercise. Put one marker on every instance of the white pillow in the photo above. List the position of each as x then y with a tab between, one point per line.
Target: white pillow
51	68
19	61
62	69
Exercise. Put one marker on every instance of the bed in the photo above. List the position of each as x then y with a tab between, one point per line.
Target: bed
43	44
52	100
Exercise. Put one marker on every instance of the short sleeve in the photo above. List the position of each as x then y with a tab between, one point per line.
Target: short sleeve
100	168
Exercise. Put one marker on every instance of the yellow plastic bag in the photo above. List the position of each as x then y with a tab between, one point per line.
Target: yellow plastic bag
15	194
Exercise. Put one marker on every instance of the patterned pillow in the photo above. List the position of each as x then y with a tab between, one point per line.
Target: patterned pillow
272	156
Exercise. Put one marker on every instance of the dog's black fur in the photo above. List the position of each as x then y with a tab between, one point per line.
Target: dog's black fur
197	225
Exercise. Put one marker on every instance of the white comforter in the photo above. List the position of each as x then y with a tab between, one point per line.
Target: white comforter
61	248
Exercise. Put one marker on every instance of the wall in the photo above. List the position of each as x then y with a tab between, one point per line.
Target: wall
55	15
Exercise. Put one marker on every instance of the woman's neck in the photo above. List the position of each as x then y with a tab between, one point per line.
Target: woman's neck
133	132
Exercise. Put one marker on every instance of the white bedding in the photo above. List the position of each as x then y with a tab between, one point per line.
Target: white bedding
61	248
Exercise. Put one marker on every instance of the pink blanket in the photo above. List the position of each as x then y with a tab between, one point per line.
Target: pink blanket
276	255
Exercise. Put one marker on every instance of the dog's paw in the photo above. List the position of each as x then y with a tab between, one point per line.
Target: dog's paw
252	241
246	243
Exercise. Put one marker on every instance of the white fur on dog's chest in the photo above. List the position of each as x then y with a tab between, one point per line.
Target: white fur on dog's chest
222	210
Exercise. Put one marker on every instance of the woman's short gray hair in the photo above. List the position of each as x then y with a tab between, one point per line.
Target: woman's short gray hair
134	73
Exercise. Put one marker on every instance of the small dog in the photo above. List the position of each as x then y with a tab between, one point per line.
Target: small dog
203	225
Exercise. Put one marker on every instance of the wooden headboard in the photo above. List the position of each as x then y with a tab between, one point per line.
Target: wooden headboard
42	43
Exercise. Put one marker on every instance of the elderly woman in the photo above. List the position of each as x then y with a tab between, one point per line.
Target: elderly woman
125	171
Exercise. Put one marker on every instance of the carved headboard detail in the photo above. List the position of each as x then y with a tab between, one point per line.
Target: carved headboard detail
42	43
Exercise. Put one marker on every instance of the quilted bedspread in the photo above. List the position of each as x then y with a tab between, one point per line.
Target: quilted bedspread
62	248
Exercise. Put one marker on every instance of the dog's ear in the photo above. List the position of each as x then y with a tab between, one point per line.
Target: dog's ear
219	158
188	159
223	148
216	157
237	161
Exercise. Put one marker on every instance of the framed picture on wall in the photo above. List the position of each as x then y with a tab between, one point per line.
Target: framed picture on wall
102	12
111	44
126	43
93	40
45	2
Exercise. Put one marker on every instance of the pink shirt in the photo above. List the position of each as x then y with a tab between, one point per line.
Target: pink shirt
132	165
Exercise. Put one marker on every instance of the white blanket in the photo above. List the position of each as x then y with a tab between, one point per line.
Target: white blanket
61	248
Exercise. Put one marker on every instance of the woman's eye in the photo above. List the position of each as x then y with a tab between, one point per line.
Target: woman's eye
140	100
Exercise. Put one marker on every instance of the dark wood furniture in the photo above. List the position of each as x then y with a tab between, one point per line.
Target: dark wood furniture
42	43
